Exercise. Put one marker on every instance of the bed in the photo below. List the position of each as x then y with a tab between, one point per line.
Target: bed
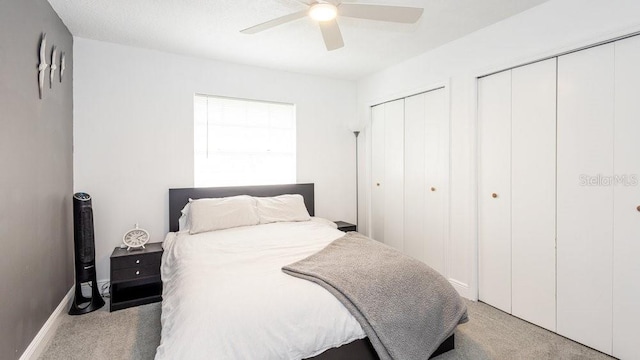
225	295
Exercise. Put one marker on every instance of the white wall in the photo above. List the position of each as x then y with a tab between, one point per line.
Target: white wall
551	28
133	133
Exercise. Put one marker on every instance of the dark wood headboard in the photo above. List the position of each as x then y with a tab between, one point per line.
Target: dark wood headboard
178	198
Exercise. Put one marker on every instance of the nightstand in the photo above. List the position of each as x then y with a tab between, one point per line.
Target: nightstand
135	276
345	226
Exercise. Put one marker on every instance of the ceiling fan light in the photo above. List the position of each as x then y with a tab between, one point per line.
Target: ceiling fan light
323	12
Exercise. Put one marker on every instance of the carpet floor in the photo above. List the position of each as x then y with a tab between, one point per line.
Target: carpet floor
134	333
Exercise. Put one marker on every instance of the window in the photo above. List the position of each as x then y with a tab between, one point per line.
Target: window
243	142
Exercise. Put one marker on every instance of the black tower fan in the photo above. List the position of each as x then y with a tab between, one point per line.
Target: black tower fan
85	256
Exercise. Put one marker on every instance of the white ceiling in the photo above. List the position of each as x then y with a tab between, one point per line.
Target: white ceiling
211	29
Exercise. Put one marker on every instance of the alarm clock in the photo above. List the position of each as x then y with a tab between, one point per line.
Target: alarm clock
135	238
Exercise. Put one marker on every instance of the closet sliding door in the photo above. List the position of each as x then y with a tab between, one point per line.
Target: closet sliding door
494	190
626	213
410	176
517	193
426	142
377	172
558	143
393	185
414	177
533	193
436	217
584	202
387	193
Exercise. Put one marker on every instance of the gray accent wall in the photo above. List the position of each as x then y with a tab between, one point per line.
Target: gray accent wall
36	174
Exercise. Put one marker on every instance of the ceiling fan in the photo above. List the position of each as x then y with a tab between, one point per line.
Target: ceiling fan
325	14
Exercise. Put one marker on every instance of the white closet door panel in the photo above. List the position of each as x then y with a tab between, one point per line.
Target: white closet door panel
414	180
377	172
393	184
533	193
494	213
585	222
626	249
436	134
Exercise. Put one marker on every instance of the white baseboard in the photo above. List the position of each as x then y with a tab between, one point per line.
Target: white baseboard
44	336
461	288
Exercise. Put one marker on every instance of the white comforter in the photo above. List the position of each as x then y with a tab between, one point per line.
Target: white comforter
225	296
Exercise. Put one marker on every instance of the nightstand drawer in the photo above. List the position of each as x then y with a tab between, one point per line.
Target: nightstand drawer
136	260
134	273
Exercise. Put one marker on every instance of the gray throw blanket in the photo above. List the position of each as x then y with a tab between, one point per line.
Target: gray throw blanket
406	308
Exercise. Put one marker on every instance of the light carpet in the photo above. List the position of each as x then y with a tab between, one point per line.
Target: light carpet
134	333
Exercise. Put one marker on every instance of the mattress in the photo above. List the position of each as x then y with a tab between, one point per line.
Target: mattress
226	297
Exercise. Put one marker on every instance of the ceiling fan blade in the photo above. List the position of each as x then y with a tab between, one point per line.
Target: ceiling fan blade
275	22
331	34
399	14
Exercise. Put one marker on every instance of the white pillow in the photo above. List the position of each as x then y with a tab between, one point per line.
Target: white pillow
183	222
222	213
282	208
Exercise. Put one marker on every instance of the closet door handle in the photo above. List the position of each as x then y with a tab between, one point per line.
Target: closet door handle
638	208
494	195
433	189
377	184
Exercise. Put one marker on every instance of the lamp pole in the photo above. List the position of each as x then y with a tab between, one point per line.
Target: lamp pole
356	133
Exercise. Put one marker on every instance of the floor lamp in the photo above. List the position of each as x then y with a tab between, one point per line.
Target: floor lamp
356	133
